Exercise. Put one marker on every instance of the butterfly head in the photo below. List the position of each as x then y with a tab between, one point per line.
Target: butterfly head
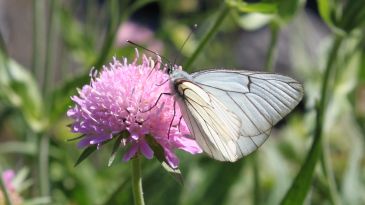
171	68
176	73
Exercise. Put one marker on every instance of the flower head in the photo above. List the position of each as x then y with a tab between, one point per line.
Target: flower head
129	97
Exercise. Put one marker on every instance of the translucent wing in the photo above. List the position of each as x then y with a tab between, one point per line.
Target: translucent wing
259	101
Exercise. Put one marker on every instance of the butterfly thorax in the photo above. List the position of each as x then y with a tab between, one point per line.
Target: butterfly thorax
177	77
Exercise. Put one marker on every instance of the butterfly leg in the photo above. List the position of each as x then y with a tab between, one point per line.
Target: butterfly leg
167	80
154	105
180	122
172	120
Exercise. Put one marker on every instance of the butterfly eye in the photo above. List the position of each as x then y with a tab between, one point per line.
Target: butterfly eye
170	69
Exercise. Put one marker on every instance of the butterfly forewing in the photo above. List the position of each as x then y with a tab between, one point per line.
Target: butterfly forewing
214	127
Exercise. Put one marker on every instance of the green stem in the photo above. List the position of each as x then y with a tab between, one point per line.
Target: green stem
271	53
35	34
43	165
299	189
137	181
3	50
4	191
115	18
218	21
37	19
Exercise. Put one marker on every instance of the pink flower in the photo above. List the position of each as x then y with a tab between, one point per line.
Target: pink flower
124	96
8	177
138	34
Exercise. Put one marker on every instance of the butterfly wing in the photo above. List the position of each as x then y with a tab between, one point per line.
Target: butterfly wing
259	100
231	113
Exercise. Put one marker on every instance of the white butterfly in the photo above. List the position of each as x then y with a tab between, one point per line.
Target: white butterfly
231	112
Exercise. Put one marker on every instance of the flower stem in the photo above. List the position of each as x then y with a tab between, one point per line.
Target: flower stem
218	21
137	181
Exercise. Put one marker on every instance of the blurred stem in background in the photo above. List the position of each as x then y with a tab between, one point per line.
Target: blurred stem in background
328	173
301	185
38	14
50	38
115	20
44	165
271	52
137	181
224	11
359	113
256	175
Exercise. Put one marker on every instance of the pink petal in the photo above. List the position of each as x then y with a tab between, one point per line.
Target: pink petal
145	149
171	158
189	145
131	152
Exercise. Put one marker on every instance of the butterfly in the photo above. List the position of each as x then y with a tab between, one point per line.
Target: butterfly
230	113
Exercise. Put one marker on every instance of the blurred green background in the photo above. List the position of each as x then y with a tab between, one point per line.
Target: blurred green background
314	156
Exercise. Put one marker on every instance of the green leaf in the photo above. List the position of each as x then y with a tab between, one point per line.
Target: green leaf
303	180
325	9
176	173
19	88
159	153
17	147
352	15
288	8
253	21
261	7
76	138
87	151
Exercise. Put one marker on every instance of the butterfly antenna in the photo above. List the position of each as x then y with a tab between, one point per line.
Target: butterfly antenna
151	51
186	40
